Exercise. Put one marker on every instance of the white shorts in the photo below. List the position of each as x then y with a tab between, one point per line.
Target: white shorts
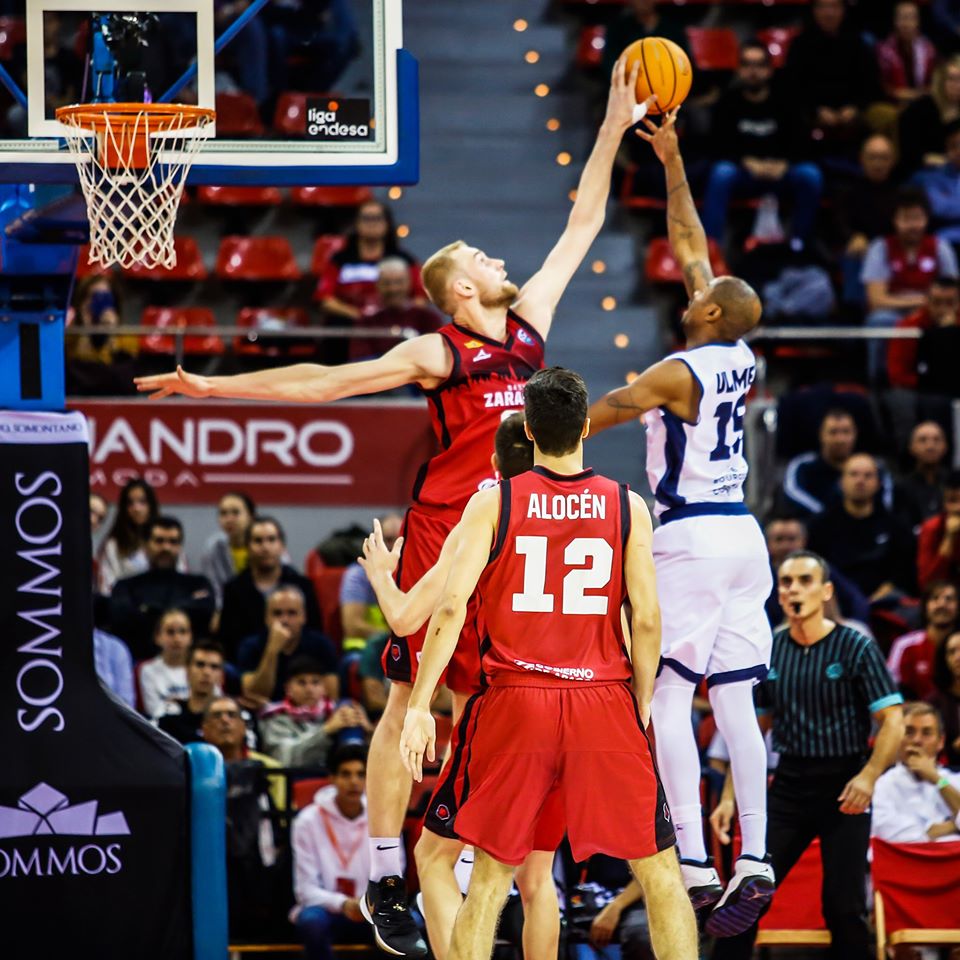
713	579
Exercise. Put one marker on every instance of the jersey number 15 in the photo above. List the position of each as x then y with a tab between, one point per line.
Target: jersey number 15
575	600
729	413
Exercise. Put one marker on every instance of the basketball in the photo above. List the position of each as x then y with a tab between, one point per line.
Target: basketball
664	70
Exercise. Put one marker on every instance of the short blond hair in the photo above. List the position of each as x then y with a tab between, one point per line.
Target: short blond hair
436	274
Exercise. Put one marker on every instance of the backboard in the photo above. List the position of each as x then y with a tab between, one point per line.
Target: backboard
307	92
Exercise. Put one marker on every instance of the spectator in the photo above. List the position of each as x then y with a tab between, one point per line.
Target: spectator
264	658
244	596
359	612
98	364
920	492
786	535
183	719
754	146
831	77
638	19
911	657
898	269
917	800
863	539
811	482
938	547
123	552
331	859
137	602
941	309
397	310
99	508
942	186
114	665
373	679
946	698
299	730
164	677
906	58
225	553
923	122
347	289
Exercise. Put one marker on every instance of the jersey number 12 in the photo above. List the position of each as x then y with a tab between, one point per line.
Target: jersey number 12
575	601
725	413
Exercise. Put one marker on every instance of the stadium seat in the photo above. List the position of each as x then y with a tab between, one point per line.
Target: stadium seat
777	41
260	321
795	916
324	248
238	116
590	47
713	48
85	269
326	583
661	266
13	32
189	265
256	258
167	317
303	790
290	117
240	196
915	893
330	196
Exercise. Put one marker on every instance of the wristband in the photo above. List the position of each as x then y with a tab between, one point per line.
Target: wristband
943	782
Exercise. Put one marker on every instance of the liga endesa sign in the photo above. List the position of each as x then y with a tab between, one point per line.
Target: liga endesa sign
193	452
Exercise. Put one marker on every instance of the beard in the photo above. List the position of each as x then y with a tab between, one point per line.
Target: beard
503	297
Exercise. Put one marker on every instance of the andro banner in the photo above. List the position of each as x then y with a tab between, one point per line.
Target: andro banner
193	452
93	799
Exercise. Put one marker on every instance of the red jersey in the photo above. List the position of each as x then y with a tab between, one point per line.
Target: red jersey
553	588
912	273
485	384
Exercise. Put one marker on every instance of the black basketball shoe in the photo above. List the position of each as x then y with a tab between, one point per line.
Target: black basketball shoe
385	906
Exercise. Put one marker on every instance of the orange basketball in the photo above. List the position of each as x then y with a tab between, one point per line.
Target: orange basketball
664	70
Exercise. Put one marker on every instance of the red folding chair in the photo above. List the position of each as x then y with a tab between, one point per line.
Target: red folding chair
303	791
590	46
777	40
240	196
795	916
330	196
714	48
916	897
256	258
173	317
290	117
189	265
326	583
661	266
326	245
238	116
260	321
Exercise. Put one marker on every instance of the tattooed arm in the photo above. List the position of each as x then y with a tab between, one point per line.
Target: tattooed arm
687	237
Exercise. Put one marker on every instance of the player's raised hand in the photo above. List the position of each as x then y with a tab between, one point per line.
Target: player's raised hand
419	738
166	384
376	557
622	108
663	136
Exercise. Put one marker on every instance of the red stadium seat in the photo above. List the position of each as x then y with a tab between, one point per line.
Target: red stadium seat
260	320
238	116
189	265
777	41
85	269
13	32
290	117
326	583
714	48
303	791
590	47
256	258
661	266
915	893
795	916
240	196
167	317
325	247
330	196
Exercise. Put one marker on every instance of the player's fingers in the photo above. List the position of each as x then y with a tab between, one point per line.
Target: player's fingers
644	136
398	546
432	749
617	70
417	769
160	394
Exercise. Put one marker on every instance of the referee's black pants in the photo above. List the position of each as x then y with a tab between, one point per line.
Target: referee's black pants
802	804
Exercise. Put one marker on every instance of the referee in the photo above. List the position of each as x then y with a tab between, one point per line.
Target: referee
826	685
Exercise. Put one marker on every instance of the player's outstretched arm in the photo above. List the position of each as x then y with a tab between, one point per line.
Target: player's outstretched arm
642	591
687	236
424	360
540	295
478	528
405	612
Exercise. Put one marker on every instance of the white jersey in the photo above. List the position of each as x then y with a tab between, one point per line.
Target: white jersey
703	462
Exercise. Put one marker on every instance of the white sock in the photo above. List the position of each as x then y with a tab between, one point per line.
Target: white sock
463	869
679	762
385	857
737	722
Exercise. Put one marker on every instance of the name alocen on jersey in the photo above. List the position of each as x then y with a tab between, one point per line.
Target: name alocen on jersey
571	506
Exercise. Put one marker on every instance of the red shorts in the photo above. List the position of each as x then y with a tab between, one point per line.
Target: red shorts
531	762
423	538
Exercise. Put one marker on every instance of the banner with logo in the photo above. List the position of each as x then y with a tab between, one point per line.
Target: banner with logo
194	452
93	800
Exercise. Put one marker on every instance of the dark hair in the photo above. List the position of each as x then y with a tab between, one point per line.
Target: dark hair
264	519
513	447
210	646
240	495
299	666
166	613
837	413
784	517
932	589
346	754
942	677
164	522
220	699
809	555
555	406
910	197
391	248
129	536
953	480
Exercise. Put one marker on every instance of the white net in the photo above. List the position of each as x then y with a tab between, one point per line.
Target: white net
133	162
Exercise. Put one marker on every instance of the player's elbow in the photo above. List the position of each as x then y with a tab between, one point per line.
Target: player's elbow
645	624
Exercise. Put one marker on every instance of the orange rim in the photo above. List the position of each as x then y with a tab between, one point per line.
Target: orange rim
163	116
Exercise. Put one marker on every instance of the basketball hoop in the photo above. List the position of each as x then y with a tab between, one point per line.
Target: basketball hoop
133	160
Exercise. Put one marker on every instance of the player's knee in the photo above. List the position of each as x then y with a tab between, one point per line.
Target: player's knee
657	873
533	880
432	850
